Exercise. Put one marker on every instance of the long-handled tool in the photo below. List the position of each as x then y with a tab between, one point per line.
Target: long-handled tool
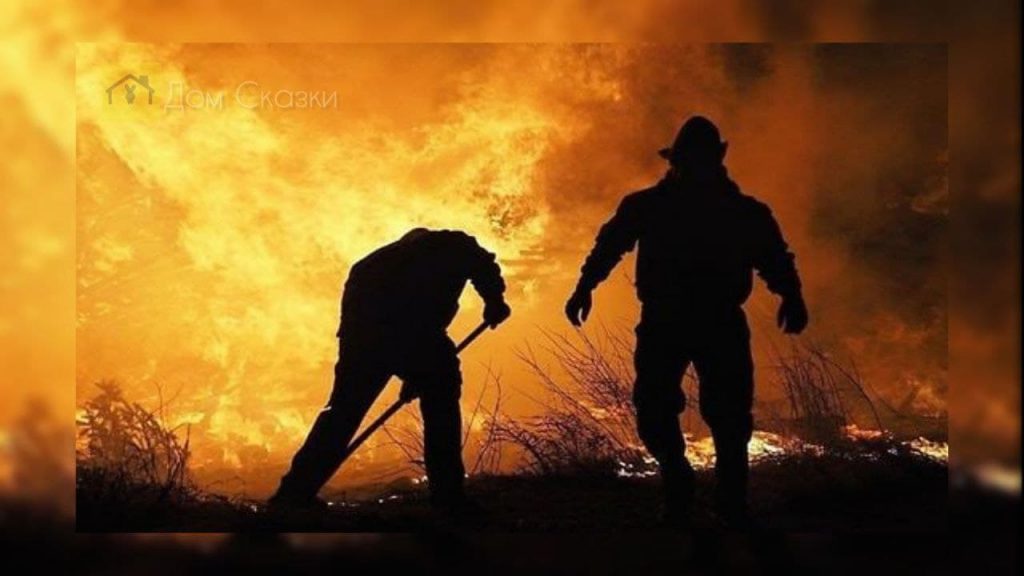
403	401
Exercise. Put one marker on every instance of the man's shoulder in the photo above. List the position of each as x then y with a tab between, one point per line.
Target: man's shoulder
455	236
457	239
641	197
751	205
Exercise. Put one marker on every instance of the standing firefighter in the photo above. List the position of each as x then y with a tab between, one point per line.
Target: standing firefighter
699	240
397	305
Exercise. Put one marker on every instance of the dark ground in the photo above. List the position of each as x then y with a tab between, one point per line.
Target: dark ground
804	493
877	529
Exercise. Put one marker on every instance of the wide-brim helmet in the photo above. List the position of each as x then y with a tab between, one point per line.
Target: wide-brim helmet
697	137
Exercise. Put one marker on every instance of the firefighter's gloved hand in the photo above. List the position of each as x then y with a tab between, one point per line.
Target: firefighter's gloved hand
409	392
792	317
578	307
495	313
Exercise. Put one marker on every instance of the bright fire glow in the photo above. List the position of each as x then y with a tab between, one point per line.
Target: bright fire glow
213	240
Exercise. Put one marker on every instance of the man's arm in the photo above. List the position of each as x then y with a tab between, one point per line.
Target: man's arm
485	274
774	262
616	237
483	271
776	265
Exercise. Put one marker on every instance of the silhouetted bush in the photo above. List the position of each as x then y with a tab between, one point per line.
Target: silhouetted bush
126	451
481	448
822	394
589	423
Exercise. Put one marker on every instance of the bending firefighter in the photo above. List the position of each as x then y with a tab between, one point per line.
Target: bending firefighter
397	305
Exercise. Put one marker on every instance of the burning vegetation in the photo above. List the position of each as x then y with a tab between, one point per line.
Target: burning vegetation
123	448
134	469
588	422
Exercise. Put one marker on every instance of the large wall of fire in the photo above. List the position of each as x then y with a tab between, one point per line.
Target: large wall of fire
213	239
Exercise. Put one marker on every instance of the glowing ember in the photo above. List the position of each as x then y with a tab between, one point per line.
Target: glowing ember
854	432
648	468
938	451
765	446
701	453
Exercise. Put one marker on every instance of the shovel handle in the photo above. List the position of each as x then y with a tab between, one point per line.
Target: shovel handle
358	441
373	427
472	336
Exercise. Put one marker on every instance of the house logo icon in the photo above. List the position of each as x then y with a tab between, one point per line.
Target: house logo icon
129	83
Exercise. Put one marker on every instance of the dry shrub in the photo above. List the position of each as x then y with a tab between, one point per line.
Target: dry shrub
589	423
124	446
823	395
481	447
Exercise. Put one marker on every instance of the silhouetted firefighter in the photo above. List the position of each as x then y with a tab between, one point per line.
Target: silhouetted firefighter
397	305
699	240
